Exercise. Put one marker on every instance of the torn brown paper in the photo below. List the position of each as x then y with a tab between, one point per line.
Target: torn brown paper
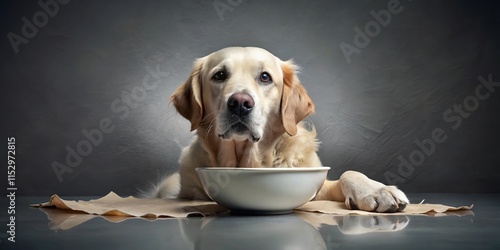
114	205
332	207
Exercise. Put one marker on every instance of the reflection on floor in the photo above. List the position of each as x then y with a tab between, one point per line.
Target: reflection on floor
226	230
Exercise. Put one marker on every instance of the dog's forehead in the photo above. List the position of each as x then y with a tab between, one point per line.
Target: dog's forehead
251	56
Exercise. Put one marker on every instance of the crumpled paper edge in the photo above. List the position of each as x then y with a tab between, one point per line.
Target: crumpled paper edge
190	208
328	207
207	208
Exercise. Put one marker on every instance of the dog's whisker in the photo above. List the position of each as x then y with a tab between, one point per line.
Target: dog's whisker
210	126
207	115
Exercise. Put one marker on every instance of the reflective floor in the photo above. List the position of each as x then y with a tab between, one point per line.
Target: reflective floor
52	229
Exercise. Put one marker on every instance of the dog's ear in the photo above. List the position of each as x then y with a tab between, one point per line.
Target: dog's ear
187	99
295	103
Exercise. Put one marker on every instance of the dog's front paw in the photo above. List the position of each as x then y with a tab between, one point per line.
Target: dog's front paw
365	194
387	199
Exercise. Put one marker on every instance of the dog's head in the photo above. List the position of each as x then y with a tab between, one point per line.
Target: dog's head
241	92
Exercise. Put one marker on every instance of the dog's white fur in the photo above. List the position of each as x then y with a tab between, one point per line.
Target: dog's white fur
273	134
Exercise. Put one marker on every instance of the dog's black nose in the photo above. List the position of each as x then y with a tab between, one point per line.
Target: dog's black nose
240	104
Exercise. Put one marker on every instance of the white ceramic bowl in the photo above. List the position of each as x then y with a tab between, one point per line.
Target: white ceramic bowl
262	190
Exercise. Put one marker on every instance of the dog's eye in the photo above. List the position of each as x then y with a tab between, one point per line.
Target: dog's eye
265	77
220	76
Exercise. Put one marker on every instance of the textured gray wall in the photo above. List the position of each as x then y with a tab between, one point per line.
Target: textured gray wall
111	66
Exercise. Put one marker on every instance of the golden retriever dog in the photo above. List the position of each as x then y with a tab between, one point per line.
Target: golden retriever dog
247	107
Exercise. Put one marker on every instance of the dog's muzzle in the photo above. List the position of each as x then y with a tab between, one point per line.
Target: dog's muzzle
239	107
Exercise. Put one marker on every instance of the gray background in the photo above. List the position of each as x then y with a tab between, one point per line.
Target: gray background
369	111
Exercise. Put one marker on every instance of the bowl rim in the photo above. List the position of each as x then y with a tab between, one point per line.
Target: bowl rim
295	169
